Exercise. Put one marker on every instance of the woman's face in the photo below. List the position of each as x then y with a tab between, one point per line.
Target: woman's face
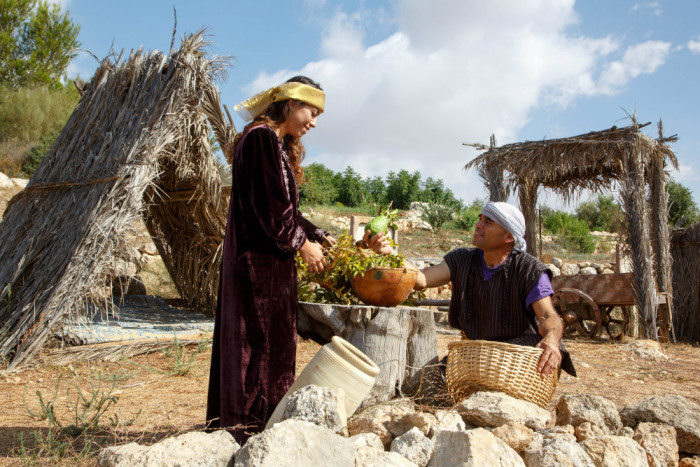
302	117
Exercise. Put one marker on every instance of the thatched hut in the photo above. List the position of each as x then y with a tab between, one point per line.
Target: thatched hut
137	146
595	161
685	248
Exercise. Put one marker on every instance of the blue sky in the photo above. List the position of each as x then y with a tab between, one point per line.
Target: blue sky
409	81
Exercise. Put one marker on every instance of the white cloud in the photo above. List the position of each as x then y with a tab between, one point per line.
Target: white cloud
655	7
694	45
453	71
644	58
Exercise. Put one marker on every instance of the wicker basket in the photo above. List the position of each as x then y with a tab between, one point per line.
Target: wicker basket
477	365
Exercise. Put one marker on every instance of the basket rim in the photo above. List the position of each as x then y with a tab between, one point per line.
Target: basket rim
503	345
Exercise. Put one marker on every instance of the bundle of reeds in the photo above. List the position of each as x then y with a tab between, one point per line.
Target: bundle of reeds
685	249
139	133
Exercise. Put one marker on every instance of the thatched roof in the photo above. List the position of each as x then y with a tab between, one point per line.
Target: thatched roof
139	135
591	161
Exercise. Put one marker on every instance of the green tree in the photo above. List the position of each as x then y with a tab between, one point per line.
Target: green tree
375	190
572	233
37	41
602	214
350	187
318	187
402	188
434	191
682	209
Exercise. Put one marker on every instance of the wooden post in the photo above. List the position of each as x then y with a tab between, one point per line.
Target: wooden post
494	178
527	192
633	193
400	340
661	241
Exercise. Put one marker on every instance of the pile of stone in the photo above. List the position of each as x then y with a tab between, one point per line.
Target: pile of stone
559	267
8	183
486	429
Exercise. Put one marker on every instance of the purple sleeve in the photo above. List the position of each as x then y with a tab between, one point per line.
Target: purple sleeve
542	289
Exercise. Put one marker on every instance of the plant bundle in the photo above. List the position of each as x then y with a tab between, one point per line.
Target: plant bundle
347	260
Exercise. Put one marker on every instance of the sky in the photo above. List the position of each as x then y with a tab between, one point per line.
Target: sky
409	81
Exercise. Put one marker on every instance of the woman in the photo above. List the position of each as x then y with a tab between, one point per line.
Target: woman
254	348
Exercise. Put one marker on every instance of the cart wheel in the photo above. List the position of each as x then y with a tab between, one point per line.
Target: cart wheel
578	310
617	321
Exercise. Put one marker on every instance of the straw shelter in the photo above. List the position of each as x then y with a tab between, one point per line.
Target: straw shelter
137	146
685	248
595	161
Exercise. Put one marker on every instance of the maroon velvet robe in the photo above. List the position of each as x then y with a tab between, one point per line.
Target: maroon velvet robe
255	334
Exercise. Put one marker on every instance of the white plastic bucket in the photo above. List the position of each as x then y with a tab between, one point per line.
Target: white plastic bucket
338	364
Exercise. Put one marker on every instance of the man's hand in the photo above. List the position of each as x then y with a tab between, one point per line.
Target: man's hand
551	330
378	243
551	357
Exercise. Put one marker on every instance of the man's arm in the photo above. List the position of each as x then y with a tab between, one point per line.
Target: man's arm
551	329
433	276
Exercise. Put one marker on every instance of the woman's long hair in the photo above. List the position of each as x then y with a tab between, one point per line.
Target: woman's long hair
274	116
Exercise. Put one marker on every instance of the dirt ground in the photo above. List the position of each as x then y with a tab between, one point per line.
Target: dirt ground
165	405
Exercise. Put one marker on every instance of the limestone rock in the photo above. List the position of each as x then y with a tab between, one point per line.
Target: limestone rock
476	447
584	264
555	270
5	182
292	443
574	409
449	420
422	420
323	406
614	451
690	462
565	432
368	447
195	449
375	419
589	271
20	182
677	411
598	267
414	446
514	434
148	249
496	409
647	349
557	452
659	442
557	262
569	269
587	430
626	431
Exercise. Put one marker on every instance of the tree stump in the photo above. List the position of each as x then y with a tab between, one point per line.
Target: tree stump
400	340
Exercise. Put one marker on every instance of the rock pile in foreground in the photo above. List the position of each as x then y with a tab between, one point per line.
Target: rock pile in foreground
486	429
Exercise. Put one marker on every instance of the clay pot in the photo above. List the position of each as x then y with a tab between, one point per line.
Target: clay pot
384	286
338	364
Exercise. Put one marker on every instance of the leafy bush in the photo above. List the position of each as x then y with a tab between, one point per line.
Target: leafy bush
467	218
682	209
603	214
436	214
572	233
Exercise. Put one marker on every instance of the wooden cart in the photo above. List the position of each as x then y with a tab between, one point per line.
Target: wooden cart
591	303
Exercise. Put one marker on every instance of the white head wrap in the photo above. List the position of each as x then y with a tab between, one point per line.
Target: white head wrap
510	218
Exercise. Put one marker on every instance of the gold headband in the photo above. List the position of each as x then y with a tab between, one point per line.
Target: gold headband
251	108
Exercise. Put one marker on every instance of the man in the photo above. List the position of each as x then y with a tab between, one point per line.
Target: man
499	292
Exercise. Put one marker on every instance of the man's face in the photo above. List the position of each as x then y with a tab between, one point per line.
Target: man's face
488	235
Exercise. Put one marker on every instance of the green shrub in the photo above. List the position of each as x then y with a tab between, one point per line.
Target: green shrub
571	233
467	218
435	214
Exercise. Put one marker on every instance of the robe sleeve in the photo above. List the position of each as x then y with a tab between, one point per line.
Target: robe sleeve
270	192
312	232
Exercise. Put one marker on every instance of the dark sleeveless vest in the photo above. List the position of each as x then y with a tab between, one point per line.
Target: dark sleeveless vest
495	309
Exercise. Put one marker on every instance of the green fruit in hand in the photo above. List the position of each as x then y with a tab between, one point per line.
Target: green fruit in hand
378	224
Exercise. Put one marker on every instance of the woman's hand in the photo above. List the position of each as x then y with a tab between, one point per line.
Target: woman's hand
329	241
312	254
378	243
